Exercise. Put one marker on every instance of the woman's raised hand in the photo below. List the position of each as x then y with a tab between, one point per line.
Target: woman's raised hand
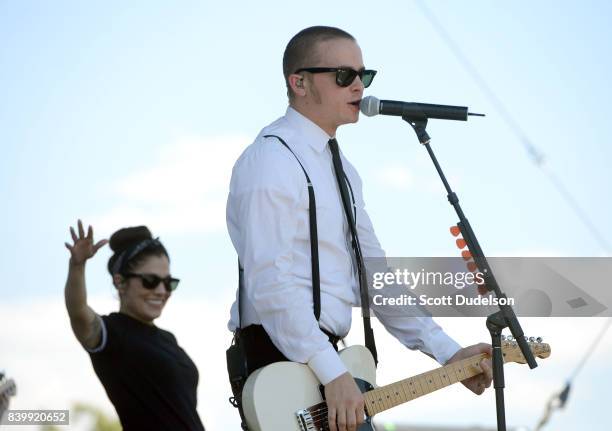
83	247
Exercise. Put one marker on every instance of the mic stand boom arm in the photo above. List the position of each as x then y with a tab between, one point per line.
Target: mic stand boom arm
499	320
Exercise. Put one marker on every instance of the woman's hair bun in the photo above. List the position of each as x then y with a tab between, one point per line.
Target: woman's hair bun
128	236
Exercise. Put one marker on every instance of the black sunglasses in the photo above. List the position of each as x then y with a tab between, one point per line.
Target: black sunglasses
344	75
151	281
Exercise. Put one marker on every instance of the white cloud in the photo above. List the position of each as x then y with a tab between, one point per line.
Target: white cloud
185	190
399	178
395	177
52	371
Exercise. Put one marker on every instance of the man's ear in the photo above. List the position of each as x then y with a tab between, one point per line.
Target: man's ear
296	82
119	281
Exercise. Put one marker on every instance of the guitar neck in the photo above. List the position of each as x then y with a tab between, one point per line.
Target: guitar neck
386	397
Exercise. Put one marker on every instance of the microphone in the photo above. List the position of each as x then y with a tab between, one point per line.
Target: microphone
371	106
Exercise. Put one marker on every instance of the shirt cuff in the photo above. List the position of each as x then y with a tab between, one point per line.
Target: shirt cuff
442	347
327	365
103	338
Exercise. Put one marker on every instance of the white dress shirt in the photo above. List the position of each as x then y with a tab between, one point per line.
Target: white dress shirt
268	222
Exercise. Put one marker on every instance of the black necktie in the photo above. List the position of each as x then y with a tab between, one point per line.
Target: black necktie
363	284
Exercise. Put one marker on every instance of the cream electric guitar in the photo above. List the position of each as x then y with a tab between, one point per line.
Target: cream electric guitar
286	396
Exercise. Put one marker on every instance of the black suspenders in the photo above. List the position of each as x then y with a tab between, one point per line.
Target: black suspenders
314	238
314	257
236	356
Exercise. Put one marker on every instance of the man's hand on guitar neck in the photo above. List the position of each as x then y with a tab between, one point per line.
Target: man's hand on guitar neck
345	403
479	382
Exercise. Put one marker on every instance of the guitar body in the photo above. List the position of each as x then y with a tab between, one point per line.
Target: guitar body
273	395
286	396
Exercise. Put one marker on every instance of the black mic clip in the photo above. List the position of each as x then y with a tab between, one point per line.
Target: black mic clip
418	125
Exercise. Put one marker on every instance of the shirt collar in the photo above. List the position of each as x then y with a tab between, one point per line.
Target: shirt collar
308	131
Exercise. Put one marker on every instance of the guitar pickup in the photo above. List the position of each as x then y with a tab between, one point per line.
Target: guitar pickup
304	418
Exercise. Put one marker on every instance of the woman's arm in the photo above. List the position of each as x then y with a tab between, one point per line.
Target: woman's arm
84	321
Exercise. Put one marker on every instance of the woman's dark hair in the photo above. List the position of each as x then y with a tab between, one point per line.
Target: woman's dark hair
132	245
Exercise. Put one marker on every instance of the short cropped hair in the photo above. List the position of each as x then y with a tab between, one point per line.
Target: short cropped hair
301	49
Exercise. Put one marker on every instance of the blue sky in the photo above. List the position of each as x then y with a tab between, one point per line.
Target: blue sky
131	114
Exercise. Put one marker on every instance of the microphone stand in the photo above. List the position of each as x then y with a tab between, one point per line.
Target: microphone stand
499	320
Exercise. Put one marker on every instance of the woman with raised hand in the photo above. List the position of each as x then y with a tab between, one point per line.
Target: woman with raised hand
149	379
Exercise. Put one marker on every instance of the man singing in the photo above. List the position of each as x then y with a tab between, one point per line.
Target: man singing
269	225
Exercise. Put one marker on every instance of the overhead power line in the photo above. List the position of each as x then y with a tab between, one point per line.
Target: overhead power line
557	400
536	156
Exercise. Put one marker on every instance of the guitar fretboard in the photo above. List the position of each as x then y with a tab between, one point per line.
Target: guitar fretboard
386	397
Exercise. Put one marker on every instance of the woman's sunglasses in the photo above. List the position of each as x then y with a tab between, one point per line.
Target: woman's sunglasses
344	75
151	281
